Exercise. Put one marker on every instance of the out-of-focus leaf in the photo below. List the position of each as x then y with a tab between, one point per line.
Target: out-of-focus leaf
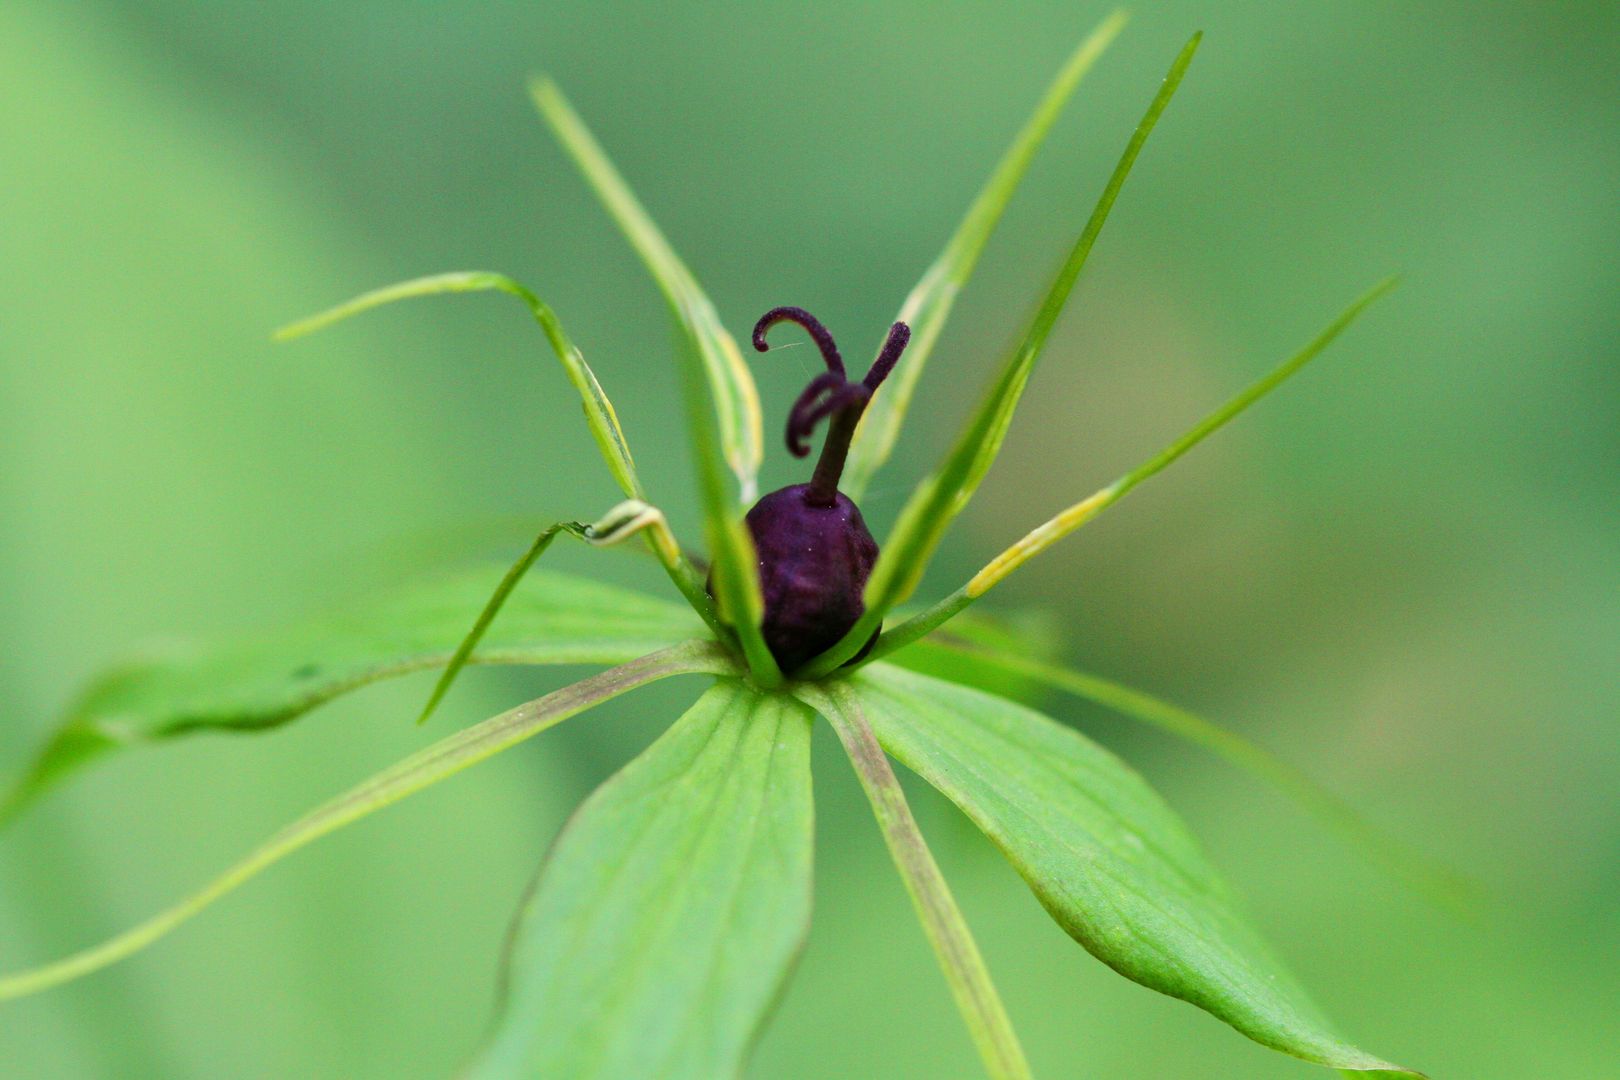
929	304
970	650
599	414
943	494
443	759
550	619
1107	858
669	912
731	385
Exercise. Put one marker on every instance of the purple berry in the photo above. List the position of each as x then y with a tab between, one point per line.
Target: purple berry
815	551
813	565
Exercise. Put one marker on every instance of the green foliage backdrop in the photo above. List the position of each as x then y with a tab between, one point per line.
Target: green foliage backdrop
1400	573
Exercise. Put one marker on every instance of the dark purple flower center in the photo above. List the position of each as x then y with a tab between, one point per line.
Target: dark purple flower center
815	552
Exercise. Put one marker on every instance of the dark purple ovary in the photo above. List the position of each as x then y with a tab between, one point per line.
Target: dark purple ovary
815	551
813	565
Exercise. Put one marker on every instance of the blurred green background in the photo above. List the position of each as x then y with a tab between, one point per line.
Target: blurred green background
1402	572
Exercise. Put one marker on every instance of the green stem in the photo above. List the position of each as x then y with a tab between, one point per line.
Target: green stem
917	627
947	931
690	584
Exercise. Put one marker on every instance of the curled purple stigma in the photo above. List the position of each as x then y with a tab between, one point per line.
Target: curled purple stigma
808	410
812	325
899	337
814	551
830	394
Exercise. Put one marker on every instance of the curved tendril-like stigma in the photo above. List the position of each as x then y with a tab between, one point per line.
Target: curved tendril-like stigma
899	337
830	394
806	411
818	333
846	396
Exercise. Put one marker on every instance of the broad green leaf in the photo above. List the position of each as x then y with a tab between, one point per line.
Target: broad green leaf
551	619
1107	858
599	414
440	761
669	912
929	304
942	495
730	383
960	659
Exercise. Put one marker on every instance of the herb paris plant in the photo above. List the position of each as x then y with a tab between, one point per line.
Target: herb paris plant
670	910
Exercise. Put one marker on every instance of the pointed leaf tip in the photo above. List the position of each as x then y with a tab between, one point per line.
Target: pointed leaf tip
929	304
1108	859
1072	518
943	494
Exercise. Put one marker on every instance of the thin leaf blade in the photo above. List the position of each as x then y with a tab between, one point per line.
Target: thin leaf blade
938	501
628	519
943	494
929	304
1108	859
722	403
423	769
917	627
600	416
1068	520
672	907
550	619
970	650
731	385
492	608
734	574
